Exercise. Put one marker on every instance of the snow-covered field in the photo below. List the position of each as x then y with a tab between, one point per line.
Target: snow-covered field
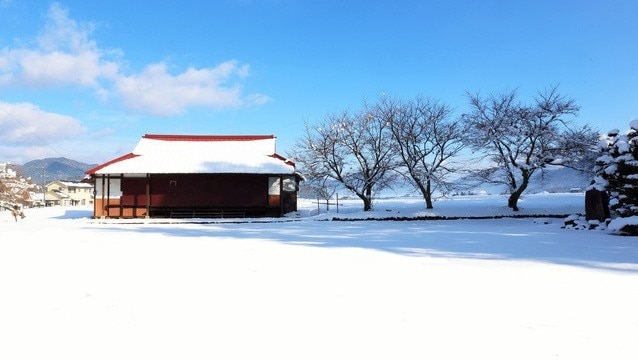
76	288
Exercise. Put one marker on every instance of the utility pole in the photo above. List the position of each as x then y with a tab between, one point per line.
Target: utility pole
44	187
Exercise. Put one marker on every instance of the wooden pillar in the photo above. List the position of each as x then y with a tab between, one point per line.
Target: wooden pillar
108	195
120	201
136	202
281	195
103	202
148	195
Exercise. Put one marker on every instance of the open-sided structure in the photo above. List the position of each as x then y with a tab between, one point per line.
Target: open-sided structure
192	176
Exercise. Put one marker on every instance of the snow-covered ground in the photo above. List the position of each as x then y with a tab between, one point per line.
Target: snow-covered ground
300	288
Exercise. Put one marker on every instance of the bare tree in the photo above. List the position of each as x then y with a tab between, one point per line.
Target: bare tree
522	139
322	187
426	140
15	191
353	149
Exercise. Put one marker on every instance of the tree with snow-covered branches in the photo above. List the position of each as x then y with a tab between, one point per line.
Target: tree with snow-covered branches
616	170
353	149
426	141
523	139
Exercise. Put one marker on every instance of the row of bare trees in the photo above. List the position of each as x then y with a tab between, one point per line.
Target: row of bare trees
420	140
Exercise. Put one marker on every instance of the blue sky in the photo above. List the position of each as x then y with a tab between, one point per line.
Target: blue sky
85	80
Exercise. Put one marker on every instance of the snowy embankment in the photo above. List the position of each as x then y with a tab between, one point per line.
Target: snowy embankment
76	288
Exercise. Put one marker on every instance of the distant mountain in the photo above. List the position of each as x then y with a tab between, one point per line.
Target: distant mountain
554	179
46	170
560	179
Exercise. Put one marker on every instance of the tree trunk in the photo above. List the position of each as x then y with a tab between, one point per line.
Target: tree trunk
366	197
367	205
367	202
425	190
428	194
512	202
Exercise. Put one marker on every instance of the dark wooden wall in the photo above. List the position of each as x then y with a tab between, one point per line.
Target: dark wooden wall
198	190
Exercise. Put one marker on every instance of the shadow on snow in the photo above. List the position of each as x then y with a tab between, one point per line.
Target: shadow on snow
512	239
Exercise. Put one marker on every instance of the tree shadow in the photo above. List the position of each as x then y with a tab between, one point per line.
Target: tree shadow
539	240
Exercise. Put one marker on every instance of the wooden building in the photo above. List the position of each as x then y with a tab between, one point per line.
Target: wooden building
68	193
196	176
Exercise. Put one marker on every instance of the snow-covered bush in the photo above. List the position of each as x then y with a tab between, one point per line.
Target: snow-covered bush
579	222
616	171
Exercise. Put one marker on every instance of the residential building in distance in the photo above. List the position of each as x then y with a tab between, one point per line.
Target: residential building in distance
68	193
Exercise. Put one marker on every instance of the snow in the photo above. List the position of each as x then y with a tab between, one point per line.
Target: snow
623	147
158	156
619	223
304	287
455	206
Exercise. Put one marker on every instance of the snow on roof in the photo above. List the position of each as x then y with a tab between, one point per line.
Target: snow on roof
177	154
74	184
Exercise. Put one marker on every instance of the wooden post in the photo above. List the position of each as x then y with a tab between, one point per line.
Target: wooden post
148	196
121	205
108	195
103	200
281	195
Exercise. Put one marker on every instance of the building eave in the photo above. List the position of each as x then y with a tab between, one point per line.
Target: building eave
111	162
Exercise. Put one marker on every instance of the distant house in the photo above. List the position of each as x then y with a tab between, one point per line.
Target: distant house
193	176
68	193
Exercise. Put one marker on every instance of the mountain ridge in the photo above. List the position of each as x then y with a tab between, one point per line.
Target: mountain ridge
43	171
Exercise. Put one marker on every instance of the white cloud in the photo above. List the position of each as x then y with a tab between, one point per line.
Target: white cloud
25	124
157	91
62	32
65	54
55	68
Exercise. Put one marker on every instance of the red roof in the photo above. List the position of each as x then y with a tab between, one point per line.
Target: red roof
279	157
121	158
208	137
